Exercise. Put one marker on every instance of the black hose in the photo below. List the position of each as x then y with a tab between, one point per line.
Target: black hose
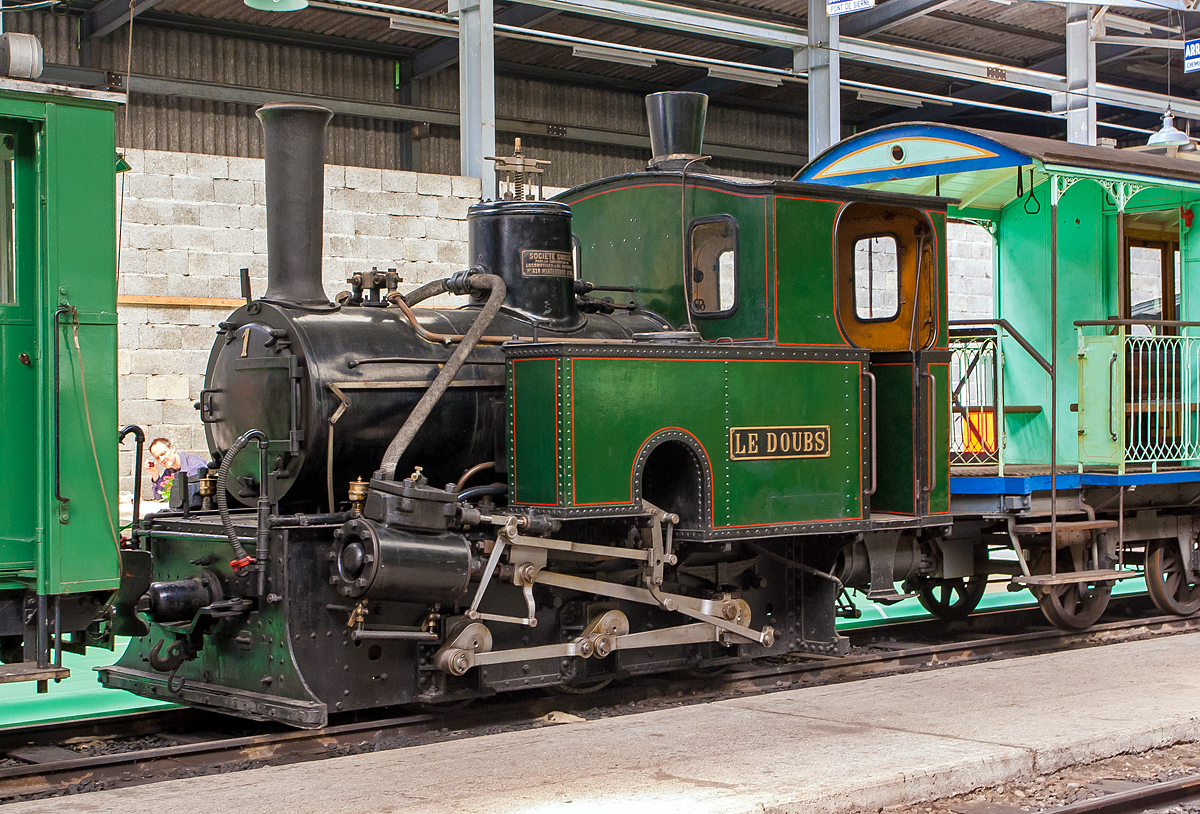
223	496
479	282
426	291
480	491
139	436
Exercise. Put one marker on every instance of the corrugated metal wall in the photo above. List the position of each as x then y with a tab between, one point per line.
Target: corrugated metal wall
187	125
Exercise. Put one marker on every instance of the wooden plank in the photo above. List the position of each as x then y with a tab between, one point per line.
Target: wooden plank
179	302
1063	525
1070	577
29	671
43	754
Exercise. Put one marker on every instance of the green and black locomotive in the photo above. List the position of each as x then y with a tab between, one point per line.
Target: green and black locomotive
677	418
551	485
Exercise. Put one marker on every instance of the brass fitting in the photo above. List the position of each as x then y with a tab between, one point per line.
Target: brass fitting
358	494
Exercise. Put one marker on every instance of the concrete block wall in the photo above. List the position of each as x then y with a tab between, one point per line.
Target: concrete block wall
191	222
969	259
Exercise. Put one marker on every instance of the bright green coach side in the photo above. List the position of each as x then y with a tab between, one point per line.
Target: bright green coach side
58	459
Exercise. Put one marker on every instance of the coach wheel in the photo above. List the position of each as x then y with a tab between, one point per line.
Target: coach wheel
952	599
1071	605
1167	579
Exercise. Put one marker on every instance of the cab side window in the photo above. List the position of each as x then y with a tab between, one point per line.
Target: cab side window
712	266
876	280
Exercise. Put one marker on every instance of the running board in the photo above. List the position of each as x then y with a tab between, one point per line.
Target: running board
1072	577
255	705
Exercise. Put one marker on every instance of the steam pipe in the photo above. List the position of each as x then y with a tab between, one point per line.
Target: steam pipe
479	282
294	137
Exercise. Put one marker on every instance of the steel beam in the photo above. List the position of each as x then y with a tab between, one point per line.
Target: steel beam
109	15
820	58
886	15
1081	76
445	53
476	90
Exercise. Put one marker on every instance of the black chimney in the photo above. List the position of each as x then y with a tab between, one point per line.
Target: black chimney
676	128
294	146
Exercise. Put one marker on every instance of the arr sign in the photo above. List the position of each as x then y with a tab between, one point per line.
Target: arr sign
1191	56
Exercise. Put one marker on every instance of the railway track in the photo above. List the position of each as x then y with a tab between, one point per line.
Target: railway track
1134	801
163	745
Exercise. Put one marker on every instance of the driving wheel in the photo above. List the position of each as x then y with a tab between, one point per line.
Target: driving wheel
952	599
1071	605
1167	579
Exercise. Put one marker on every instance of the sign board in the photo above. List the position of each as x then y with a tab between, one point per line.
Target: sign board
1191	56
836	7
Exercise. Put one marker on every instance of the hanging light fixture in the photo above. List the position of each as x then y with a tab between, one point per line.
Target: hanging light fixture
1169	135
277	5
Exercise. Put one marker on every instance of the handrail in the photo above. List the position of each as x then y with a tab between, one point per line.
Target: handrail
1015	334
874	433
1166	323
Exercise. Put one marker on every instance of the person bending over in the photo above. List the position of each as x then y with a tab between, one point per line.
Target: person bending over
165	461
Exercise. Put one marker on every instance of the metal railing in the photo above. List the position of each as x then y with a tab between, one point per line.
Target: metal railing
975	397
977	427
1148	406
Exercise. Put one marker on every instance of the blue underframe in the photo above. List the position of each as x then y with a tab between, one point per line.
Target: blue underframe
992	485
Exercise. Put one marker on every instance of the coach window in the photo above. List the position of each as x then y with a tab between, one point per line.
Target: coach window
876	281
712	266
8	290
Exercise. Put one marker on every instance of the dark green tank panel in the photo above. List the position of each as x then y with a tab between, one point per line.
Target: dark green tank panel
534	460
779	440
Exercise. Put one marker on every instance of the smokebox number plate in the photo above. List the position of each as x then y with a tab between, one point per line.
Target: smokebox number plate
771	443
546	263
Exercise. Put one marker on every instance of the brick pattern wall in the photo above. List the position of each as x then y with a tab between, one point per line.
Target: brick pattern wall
969	258
191	222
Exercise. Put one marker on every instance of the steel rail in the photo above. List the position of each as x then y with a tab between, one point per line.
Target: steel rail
275	747
1135	800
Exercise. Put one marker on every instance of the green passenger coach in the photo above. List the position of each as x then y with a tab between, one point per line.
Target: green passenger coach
59	551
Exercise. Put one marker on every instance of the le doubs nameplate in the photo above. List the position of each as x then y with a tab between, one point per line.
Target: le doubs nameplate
763	443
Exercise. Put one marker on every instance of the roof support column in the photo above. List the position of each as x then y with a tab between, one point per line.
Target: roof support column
1081	76
824	79
476	90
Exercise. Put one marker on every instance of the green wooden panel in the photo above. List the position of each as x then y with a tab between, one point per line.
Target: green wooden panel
1102	401
939	449
619	404
80	217
533	431
895	490
628	233
805	285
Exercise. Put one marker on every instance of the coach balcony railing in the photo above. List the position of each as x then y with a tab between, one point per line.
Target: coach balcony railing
1139	392
977	390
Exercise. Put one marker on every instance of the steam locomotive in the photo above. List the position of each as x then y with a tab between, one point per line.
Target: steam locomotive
551	485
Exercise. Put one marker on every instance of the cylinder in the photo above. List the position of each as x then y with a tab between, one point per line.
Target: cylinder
676	125
179	600
378	562
529	245
294	146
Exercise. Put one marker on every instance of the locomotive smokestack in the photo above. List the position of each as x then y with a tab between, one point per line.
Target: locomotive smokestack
294	146
676	128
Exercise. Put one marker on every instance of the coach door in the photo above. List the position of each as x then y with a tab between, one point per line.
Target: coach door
887	302
20	356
